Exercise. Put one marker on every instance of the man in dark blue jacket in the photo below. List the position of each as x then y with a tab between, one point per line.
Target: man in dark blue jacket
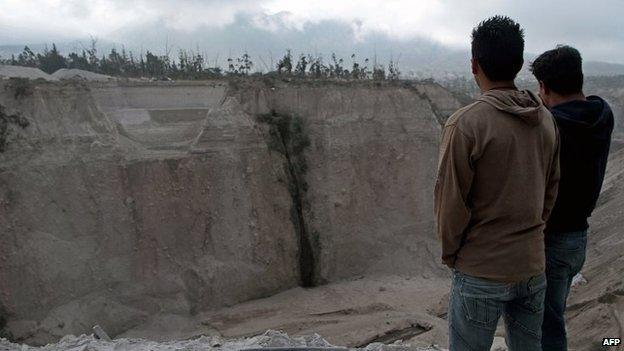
585	125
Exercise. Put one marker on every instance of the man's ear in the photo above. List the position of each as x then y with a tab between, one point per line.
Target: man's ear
543	88
474	66
544	94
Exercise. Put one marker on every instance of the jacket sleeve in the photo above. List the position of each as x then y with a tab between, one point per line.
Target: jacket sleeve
552	183
455	174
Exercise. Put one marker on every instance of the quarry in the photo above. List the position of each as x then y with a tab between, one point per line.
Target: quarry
200	214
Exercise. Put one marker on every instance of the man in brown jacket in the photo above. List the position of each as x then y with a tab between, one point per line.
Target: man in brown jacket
497	183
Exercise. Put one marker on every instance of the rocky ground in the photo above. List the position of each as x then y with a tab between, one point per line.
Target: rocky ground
270	339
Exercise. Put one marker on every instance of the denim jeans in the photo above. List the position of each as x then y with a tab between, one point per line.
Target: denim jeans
565	256
476	304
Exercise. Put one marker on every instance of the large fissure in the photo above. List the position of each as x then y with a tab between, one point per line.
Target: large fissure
288	137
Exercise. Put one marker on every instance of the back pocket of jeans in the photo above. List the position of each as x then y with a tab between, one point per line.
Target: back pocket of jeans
481	311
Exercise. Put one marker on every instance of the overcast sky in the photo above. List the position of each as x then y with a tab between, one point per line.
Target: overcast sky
595	27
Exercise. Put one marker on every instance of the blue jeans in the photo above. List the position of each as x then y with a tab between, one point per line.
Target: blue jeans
476	305
565	256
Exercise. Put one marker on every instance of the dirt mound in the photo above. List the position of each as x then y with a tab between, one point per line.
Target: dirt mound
78	74
7	71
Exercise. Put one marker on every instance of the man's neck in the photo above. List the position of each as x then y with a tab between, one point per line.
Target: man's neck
488	85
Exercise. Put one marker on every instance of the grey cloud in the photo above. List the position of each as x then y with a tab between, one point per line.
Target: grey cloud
595	27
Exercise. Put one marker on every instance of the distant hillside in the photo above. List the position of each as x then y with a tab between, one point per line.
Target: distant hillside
597	68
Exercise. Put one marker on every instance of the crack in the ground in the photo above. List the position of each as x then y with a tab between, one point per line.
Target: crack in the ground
289	139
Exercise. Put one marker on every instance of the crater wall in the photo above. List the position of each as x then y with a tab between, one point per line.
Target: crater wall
120	201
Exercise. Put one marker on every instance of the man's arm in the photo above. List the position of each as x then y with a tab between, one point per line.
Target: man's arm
455	174
552	183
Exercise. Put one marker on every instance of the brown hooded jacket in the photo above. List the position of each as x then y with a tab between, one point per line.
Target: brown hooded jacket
497	183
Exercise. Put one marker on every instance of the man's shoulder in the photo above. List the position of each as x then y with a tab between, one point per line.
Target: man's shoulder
468	113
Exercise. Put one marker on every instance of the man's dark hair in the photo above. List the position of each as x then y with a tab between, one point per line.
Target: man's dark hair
498	47
560	69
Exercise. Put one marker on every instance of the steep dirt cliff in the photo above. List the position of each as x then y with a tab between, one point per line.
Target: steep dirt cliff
121	201
596	307
102	225
371	168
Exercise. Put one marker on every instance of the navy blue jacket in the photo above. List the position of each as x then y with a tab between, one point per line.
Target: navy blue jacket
585	134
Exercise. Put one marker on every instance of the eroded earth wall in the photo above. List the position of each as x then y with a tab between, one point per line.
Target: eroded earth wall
372	162
119	201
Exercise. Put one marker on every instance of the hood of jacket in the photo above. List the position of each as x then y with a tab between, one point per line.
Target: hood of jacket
523	104
592	115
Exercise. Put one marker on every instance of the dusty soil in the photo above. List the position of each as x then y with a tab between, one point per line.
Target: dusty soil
352	313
